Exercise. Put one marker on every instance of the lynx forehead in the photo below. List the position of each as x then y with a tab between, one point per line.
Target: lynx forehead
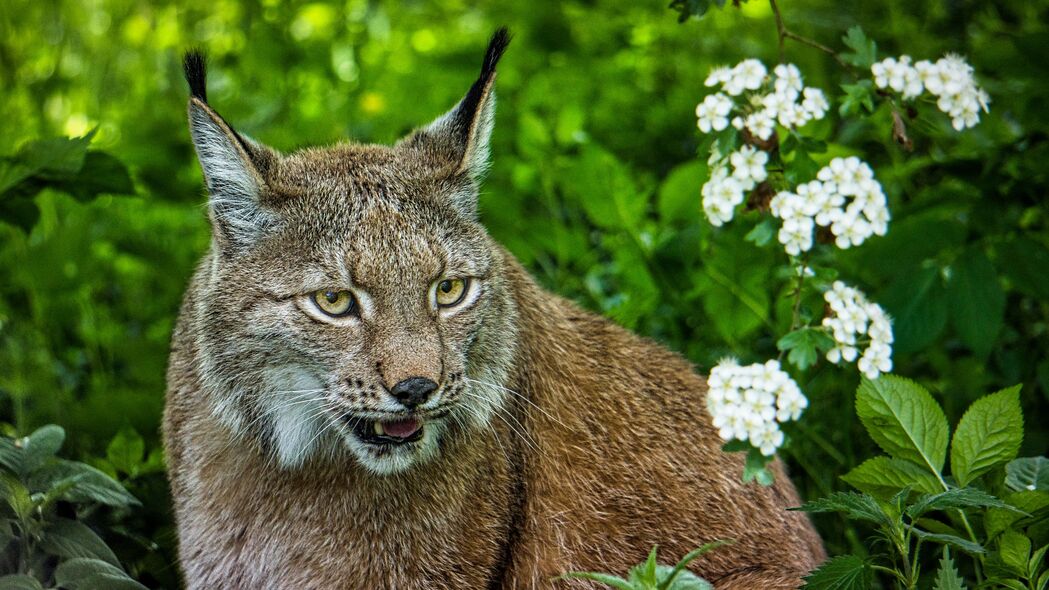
352	303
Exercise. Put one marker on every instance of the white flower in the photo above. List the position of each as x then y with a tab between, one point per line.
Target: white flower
854	319
788	77
814	103
721	194
718	75
760	124
750	73
950	80
713	112
749	165
749	403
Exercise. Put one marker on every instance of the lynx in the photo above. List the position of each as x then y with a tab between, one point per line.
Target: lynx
366	391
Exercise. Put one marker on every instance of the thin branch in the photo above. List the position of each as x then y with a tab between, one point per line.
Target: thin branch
784	34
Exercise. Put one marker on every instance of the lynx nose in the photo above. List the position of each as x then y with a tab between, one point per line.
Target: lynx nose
413	391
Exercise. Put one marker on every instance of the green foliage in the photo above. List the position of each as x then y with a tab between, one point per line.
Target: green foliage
47	501
58	164
845	572
907	423
593	97
651	575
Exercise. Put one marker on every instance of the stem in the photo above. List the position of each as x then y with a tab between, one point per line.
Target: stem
784	34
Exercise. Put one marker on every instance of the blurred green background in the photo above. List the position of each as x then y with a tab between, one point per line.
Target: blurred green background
594	186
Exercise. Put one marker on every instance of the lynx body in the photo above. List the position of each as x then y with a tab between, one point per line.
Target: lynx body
365	391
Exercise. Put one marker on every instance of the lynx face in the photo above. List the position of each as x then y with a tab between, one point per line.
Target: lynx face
353	301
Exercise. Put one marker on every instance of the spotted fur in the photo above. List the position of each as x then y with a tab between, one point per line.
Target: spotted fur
556	441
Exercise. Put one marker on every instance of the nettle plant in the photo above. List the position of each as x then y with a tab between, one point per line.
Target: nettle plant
991	508
44	539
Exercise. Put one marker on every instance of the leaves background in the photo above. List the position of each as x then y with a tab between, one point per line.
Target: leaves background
594	186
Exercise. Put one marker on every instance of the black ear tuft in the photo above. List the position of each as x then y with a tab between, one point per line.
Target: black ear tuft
496	46
195	67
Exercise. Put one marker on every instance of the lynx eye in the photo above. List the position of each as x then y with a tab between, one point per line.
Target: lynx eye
451	292
335	303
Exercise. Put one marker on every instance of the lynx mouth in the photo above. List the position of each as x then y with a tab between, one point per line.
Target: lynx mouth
386	432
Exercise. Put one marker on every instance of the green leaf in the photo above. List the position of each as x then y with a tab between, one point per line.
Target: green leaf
733	284
57	157
101	174
644	574
864	50
858	98
668	579
964	544
954	498
755	468
693	8
681	580
10	455
126	451
41	446
1021	504
93	574
976	301
805	345
988	435
884	476
91	484
1014	548
679	198
1023	261
855	506
845	572
19	582
917	302
605	188
762	233
69	538
606	579
903	418
947	577
1028	473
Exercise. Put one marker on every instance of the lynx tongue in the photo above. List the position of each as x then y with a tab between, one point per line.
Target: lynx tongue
397	428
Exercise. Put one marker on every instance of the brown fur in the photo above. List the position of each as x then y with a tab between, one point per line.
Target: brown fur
571	444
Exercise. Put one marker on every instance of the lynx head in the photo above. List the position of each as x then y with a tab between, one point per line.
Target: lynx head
351	299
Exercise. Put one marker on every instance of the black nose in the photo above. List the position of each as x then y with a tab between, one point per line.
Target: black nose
413	391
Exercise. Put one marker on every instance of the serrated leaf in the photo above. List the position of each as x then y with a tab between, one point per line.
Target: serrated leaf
954	498
805	345
947	577
845	572
884	476
855	506
966	545
976	301
858	99
903	418
1014	548
1028	473
56	157
864	50
755	468
19	582
671	574
988	435
1021	505
71	539
762	233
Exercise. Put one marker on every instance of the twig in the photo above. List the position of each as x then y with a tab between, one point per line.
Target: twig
784	34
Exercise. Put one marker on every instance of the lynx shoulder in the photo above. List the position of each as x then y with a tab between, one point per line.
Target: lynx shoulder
366	391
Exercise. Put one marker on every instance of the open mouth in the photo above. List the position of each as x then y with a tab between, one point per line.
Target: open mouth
386	432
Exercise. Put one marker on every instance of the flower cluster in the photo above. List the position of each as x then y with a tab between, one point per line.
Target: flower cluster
855	321
748	403
781	97
949	79
846	198
777	98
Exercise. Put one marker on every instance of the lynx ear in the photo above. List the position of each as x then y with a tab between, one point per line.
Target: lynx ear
459	139
233	166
